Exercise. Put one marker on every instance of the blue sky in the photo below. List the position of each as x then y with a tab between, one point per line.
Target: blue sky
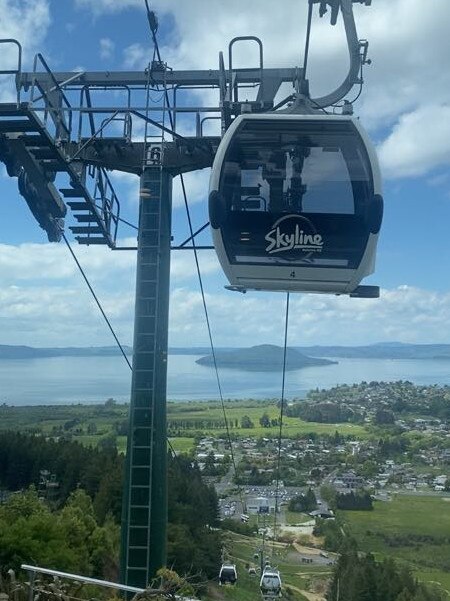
405	105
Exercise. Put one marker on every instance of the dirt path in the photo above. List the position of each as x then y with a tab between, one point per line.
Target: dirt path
306	550
310	596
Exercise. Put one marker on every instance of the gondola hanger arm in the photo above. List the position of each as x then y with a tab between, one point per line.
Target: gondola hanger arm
353	43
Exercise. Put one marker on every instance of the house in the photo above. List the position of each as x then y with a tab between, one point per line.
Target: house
349	480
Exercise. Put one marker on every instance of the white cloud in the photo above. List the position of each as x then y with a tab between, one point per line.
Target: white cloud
106	48
100	6
28	22
135	56
407	40
418	143
406	103
183	266
404	314
43	296
196	185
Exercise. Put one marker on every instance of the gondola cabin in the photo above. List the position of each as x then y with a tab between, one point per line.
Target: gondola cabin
295	204
227	574
270	583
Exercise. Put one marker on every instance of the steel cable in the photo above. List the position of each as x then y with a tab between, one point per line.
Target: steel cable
282	403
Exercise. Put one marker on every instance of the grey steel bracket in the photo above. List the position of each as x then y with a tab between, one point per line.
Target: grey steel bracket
357	49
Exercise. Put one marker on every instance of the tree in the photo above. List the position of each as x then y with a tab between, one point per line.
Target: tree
361	578
246	422
210	463
310	500
383	417
92	428
264	420
69	539
361	501
328	494
369	468
303	503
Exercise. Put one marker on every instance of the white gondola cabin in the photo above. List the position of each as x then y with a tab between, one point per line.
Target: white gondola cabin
270	583
227	574
295	204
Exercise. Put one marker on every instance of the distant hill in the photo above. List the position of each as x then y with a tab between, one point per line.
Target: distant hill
29	352
265	357
385	350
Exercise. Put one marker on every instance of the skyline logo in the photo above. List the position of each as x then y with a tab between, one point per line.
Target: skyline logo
293	232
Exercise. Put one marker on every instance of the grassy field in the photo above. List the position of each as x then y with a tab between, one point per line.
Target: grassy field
182	444
235	410
89	424
294	517
412	529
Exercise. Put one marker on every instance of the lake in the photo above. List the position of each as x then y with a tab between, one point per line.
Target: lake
62	380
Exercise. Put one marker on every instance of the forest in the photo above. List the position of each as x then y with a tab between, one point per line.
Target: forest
359	577
62	509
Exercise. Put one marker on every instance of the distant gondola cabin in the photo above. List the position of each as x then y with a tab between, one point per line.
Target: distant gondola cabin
227	574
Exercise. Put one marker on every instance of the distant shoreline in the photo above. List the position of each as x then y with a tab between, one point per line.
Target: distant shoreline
92	380
433	352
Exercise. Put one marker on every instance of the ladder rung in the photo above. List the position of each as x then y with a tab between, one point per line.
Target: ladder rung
89	240
78	206
85	230
91	218
71	192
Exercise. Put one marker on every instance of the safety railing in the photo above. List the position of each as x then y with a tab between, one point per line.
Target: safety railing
86	108
17	71
55	593
106	201
35	570
57	110
232	71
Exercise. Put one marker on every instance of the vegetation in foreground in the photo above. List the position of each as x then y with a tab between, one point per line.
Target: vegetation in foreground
69	519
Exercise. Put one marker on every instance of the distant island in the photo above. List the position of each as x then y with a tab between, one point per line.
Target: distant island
265	357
